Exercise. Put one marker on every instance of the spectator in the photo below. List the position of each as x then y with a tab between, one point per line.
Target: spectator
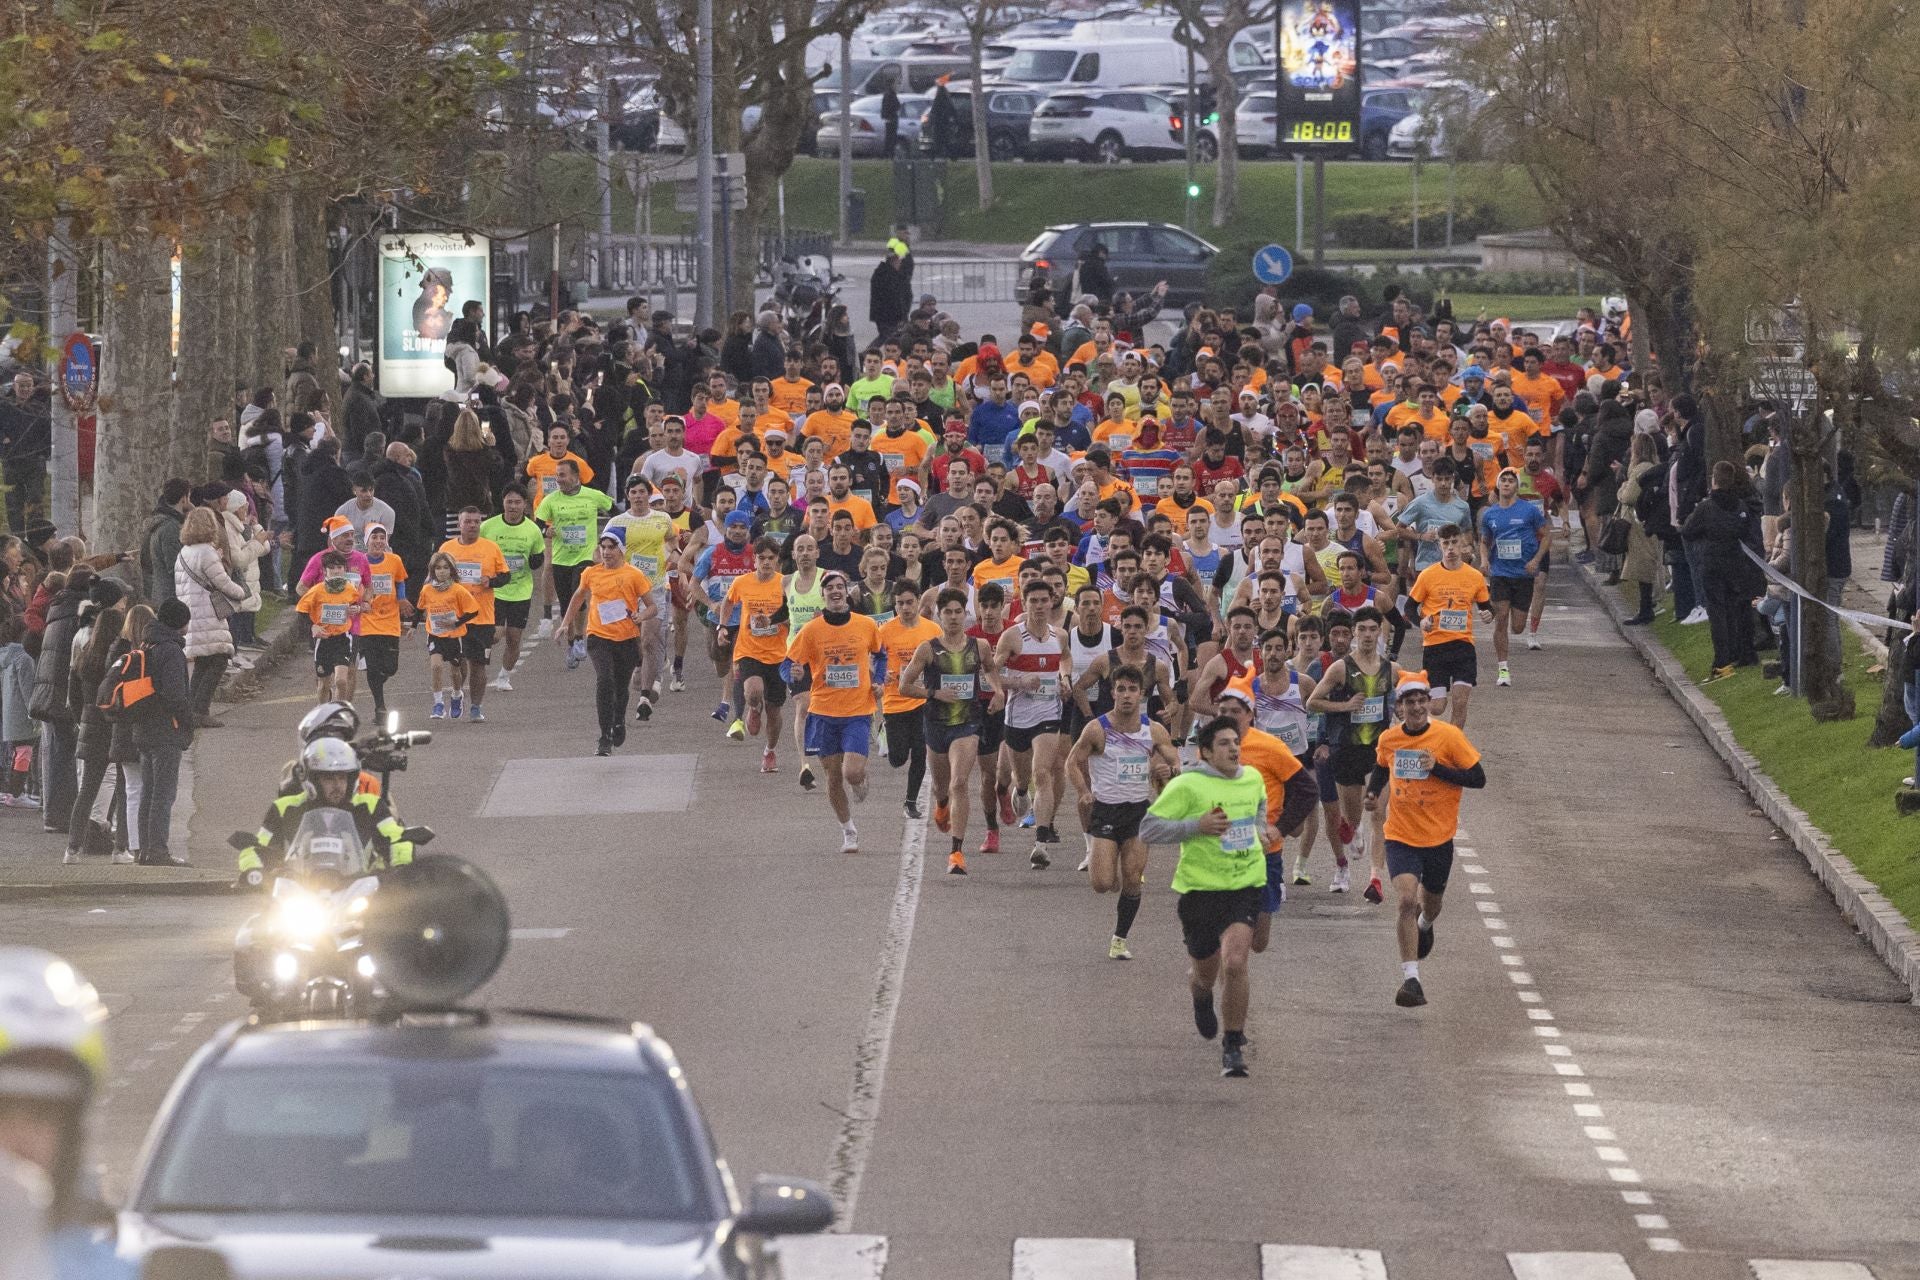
474	470
163	730
323	489
247	543
890	294
365	508
16	726
51	703
767	357
26	443
201	581
1092	276
359	412
1642	563
736	353
1687	487
223	455
94	642
303	388
413	535
1716	533
1839	552
160	540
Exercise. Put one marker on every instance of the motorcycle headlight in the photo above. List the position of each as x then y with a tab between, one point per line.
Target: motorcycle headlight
302	919
285	968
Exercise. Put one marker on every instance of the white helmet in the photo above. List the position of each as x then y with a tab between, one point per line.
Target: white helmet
329	755
1615	305
51	1044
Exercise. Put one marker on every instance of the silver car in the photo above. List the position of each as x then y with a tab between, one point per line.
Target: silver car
457	1145
869	130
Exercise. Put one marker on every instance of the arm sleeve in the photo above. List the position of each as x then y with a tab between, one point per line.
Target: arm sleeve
1157	830
1471	779
1377	782
1302	793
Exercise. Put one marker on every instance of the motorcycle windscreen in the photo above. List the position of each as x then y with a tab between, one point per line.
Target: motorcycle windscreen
328	844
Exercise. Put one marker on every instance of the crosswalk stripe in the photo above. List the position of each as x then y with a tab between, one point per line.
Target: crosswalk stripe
1317	1262
1775	1269
1039	1258
1569	1266
832	1257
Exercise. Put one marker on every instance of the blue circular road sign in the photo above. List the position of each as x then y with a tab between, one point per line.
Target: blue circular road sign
1272	265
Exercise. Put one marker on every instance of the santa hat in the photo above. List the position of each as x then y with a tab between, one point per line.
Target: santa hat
1411	682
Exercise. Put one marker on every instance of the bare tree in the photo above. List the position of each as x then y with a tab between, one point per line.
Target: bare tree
1209	30
983	20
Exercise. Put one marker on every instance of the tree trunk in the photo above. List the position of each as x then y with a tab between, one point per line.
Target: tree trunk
273	289
203	390
982	159
1891	721
1226	191
1828	697
136	392
314	278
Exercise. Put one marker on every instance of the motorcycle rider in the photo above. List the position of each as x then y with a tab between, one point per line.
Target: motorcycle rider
332	769
328	720
52	1058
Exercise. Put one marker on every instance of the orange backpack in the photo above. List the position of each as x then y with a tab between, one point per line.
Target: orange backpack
130	685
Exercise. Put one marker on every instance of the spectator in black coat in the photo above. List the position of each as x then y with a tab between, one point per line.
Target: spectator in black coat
768	355
414	536
51	702
323	488
736	352
359	412
163	730
1717	532
890	294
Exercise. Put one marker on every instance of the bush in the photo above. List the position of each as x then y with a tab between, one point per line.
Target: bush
1394	229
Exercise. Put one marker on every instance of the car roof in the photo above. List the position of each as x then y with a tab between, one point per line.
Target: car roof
507	1038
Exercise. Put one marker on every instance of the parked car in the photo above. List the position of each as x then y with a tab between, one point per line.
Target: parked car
1139	255
1379	112
1205	111
1105	125
1009	118
869	130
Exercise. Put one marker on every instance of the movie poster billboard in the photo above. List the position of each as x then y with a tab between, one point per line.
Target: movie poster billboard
1319	73
425	278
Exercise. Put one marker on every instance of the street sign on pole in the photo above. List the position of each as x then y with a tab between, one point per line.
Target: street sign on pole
79	373
1272	265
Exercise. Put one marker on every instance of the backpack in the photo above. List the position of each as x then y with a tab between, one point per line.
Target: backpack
128	685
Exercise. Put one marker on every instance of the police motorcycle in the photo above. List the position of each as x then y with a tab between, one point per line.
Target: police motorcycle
383	752
330	855
806	287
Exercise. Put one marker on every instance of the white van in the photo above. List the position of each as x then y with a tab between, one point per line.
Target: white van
1110	54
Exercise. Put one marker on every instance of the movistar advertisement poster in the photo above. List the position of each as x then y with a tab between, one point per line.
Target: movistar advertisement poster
425	278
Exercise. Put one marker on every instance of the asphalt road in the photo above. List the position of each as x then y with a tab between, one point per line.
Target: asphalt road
1651	1039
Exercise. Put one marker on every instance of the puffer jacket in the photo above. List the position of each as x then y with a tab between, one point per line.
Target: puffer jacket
49	700
165	720
243	553
16	687
196	575
85	690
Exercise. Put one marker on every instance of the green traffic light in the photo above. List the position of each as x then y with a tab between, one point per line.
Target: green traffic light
1193	191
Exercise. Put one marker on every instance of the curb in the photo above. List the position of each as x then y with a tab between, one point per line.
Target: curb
1861	904
113	889
282	640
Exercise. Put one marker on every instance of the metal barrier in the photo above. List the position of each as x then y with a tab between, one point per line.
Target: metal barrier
957	280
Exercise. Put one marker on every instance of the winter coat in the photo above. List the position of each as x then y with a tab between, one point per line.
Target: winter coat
1721	525
359	414
16	691
1643	549
736	357
520	430
85	685
303	388
414	535
1612	441
464	360
50	699
166	719
768	355
472	476
323	487
243	553
196	576
889	297
159	548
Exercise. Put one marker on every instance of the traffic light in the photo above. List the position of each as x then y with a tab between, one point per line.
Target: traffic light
1193	191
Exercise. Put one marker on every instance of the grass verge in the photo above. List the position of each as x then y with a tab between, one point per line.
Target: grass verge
1845	789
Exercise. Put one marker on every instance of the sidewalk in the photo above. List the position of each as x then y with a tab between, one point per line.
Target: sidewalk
30	863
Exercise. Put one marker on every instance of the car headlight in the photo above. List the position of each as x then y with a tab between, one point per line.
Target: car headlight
302	919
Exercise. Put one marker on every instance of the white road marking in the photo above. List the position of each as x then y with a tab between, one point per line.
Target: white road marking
1613	1155
1650	1221
1589	1111
1530	997
1520	979
1569	1266
1502	941
1317	1262
1778	1269
1599	1133
1619	1174
1575	1089
538	935
1548	1032
832	1257
1066	1258
1558	1050
1568	1068
1664	1244
1494	923
1540	1015
1474	868
848	1160
1477	887
1511	960
1636	1197
1487	908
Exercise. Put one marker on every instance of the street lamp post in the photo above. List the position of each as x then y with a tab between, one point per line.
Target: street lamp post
703	168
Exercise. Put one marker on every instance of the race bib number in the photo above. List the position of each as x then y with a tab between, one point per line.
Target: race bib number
468	571
961	686
1134	770
333	615
549	484
1508	548
1118	441
515	563
1482	449
1410	765
1295	737
896	462
1452	620
761	624
442	622
1372	710
1146	486
573	535
843	675
382	584
649	565
610	612
1240	835
865	495
1047	685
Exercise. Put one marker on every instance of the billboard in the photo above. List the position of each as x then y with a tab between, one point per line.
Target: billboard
425	278
1319	81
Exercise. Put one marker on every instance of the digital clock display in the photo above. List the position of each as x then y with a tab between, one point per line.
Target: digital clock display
1319	82
1316	131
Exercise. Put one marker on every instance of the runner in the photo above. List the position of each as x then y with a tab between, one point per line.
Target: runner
617	601
448	607
996	771
837	650
571	516
1426	763
1353	694
714	571
753	628
387	603
1541	488
652	545
1037	663
1447	593
949	672
1292	795
1217	813
1511	531
524	549
1119	763
901	636
806	599
481	568
332	604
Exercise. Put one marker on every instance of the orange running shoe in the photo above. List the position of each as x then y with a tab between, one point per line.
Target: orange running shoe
943	816
956	863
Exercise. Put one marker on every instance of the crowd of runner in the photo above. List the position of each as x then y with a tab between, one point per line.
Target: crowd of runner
1172	591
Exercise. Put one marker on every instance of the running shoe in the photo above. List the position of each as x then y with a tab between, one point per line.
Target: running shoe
476	715
454	706
1504	678
1117	949
880	741
1426	941
1233	1063
849	839
912	811
573	658
1006	806
806	771
678	685
1038	859
737	732
1300	875
1342	880
23	801
956	863
439	711
942	815
546	629
992	842
1373	893
1346	832
1205	1021
753	722
1694	619
1410	995
1086	860
768	764
1023	805
1045	835
723	712
503	682
605	748
619	735
1026	821
1533	640
643	709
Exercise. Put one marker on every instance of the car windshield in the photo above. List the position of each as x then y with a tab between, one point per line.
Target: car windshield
386	1136
1039	66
